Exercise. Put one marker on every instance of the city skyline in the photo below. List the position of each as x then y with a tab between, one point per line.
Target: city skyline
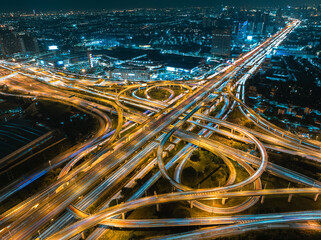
51	5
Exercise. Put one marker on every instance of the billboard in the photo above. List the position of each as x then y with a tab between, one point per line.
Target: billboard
53	47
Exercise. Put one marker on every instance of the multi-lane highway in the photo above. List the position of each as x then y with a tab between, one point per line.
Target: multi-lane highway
142	140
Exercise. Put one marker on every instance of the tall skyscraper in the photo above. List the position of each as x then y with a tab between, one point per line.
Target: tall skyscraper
221	42
12	43
279	16
209	22
28	43
9	43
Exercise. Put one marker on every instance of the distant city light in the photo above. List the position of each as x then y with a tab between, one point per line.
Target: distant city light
249	38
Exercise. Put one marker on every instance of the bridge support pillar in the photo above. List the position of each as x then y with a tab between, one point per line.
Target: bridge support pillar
262	199
290	198
82	235
157	205
192	204
316	197
224	201
123	215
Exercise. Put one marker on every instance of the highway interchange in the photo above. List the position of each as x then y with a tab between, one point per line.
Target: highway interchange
146	131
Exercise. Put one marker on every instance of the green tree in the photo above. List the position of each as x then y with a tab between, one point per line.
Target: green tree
189	175
195	156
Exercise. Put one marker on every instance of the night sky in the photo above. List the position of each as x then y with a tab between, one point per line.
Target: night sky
28	5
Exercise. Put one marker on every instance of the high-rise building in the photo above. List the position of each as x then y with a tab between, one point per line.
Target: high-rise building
12	43
266	18
258	16
279	16
9	43
221	42
28	43
209	22
90	59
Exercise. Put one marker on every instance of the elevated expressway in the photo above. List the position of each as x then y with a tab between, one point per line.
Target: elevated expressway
28	226
41	91
160	154
131	151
